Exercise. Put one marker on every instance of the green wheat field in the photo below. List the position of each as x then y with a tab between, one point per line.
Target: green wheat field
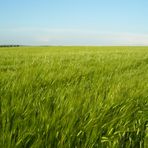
74	97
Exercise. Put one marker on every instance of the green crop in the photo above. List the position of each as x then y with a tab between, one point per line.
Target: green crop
74	97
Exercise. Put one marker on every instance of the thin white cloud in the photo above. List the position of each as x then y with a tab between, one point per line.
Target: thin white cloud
68	36
100	39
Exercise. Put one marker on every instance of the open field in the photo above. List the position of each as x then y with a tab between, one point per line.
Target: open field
74	97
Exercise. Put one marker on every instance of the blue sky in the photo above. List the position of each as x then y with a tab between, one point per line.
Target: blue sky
74	22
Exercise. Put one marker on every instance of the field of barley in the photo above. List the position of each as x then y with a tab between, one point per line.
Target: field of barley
74	97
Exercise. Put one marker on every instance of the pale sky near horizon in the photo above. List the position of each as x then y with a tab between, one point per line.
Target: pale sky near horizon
74	22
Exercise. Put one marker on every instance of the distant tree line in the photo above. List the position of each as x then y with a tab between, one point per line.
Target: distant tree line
9	45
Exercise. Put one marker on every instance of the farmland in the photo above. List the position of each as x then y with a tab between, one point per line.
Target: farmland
74	97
